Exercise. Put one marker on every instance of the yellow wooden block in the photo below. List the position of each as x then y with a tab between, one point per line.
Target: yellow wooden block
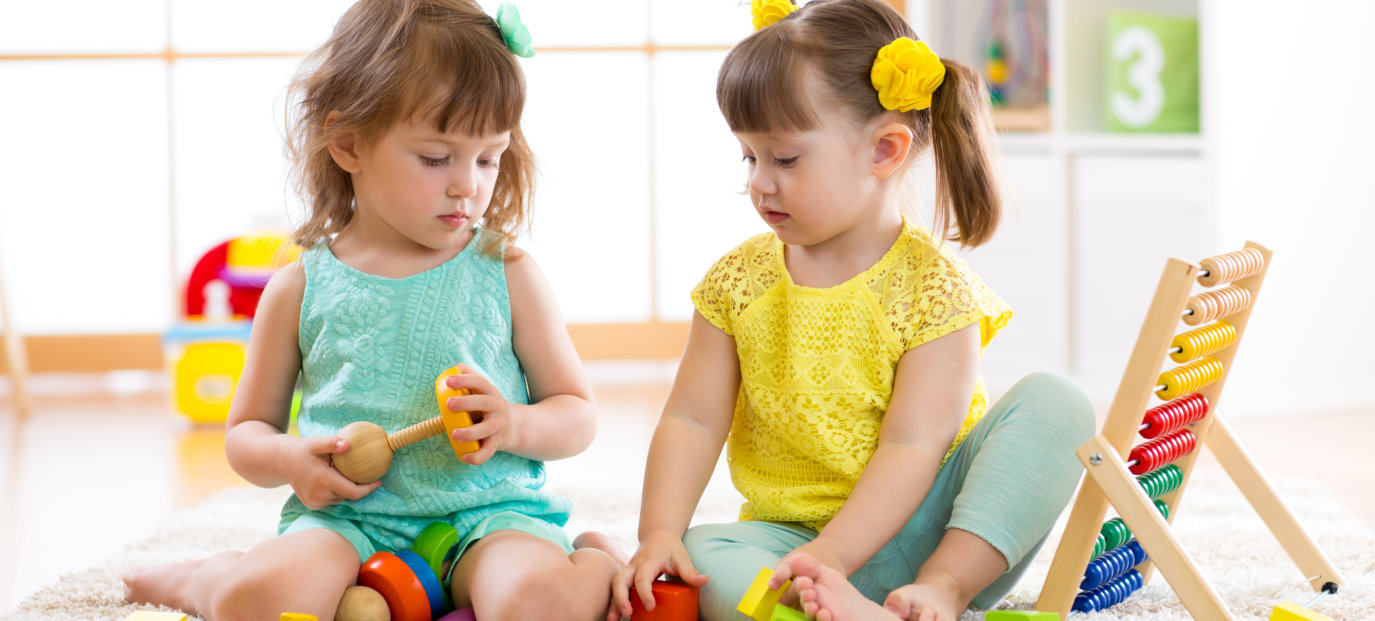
759	601
1289	611
297	616
149	615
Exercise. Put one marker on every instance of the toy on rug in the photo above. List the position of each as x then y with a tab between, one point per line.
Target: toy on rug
673	601
406	585
1095	566
761	603
1020	615
371	448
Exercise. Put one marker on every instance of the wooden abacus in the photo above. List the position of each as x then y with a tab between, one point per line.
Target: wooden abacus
1146	504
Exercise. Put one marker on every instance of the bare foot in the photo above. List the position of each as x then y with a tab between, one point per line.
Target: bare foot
594	539
161	585
828	596
923	600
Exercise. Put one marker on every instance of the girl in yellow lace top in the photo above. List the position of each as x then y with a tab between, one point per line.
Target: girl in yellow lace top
836	357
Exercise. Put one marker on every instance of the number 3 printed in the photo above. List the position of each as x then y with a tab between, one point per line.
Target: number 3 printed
1143	75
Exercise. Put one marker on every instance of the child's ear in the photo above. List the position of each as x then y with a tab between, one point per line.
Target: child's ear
892	143
342	147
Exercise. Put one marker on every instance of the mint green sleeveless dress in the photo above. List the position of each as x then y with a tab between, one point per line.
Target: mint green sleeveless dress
371	348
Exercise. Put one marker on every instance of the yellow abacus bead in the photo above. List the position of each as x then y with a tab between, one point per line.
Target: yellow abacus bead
1188	378
1202	341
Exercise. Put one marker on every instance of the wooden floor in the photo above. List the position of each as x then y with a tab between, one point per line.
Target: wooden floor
102	461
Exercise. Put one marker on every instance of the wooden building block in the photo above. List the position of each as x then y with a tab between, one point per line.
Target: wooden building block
673	601
759	601
1289	611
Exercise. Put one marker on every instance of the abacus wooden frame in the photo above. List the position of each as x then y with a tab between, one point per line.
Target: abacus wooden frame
1109	480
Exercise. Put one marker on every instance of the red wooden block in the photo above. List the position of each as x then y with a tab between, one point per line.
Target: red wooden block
673	601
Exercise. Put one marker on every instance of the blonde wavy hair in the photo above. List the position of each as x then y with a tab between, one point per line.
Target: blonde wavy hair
388	61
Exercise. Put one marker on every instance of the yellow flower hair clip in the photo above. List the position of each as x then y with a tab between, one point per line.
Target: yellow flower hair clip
905	74
765	13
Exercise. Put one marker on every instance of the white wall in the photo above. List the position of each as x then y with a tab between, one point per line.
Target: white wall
1295	137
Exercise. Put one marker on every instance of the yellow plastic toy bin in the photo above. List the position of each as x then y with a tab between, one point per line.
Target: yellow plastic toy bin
206	360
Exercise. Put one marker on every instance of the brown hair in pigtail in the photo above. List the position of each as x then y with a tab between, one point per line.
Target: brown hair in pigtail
961	137
761	88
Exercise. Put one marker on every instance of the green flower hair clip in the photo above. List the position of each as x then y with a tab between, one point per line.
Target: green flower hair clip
516	35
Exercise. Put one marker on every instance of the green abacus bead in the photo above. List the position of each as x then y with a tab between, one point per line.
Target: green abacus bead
1115	533
1163	508
1098	547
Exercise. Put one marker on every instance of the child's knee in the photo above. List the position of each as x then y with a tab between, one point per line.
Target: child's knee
1064	410
572	590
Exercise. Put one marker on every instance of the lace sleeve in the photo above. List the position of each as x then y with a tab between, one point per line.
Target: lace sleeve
949	296
712	297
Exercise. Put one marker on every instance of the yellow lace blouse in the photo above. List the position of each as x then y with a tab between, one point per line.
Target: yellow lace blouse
817	365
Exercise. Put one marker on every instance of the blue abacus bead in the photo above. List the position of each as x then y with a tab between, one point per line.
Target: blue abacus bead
1138	552
1093	576
1082	603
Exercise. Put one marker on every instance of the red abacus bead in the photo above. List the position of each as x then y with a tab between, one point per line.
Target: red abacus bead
1175	414
1160	451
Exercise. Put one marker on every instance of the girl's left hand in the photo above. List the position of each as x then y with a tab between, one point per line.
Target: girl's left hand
494	419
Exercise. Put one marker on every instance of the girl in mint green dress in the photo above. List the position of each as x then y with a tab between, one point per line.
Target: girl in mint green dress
407	143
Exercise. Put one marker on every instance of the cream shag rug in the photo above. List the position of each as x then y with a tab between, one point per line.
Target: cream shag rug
1230	544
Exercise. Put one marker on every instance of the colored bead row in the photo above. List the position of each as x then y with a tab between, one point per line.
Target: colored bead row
1211	305
1188	378
1230	266
1162	481
1174	414
1114	532
1200	342
1110	594
1155	453
1112	565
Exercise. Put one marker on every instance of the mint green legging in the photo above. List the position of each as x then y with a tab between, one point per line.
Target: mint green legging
1007	483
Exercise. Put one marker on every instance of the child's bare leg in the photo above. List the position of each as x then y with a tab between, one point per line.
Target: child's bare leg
962	566
513	576
304	572
828	596
599	541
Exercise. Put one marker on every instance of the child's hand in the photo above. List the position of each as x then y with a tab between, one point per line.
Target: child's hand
661	553
313	478
494	426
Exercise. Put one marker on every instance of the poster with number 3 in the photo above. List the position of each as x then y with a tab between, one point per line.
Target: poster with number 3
1152	67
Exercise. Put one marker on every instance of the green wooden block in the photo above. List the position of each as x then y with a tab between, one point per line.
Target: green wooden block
1020	615
784	613
1152	73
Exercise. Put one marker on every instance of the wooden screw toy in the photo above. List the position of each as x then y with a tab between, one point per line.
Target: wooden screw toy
371	448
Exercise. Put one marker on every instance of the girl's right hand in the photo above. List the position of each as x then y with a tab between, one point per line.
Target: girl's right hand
312	476
660	553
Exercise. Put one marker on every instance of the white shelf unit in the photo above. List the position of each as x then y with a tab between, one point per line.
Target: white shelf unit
1094	212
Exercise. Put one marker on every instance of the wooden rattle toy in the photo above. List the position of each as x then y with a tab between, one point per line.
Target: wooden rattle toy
370	448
